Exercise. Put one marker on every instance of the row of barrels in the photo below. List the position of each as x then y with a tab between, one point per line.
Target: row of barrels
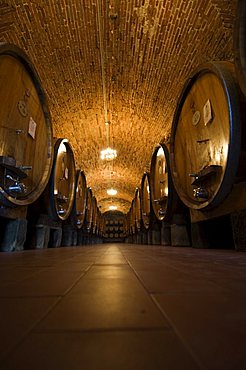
202	166
37	171
114	227
66	197
204	159
156	201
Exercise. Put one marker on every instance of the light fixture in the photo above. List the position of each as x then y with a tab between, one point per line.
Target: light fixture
112	208
108	154
111	191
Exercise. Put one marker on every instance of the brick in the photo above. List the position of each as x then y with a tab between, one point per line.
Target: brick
150	48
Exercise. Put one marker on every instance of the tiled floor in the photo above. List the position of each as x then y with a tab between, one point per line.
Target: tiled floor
121	306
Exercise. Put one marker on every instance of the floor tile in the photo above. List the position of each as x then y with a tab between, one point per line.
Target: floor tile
111	259
104	304
106	351
18	316
169	280
46	283
110	272
212	324
116	305
17	274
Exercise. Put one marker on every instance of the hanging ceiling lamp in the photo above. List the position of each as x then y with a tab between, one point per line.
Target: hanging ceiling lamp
108	154
112	208
111	191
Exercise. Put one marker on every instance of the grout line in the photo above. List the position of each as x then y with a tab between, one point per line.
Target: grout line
104	330
179	335
172	326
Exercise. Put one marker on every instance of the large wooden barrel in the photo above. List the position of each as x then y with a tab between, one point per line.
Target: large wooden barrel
145	200
26	149
137	209
79	205
206	147
162	189
89	210
62	181
240	44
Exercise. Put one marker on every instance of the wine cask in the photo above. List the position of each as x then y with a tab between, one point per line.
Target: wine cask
61	187
163	194
145	200
26	148
207	146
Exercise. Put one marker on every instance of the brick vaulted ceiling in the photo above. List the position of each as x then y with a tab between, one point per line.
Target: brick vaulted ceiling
122	61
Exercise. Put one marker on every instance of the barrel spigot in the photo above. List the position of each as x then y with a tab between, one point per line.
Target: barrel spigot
25	168
160	200
146	213
195	175
201	193
62	198
17	186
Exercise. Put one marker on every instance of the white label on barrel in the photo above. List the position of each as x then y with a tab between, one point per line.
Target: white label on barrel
32	128
196	118
207	112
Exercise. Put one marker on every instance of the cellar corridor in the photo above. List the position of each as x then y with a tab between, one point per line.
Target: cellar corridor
119	306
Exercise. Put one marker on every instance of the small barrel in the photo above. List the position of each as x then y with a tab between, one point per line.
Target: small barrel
161	185
62	181
26	149
240	44
77	215
132	218
128	223
89	210
207	154
137	209
94	215
101	224
145	200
